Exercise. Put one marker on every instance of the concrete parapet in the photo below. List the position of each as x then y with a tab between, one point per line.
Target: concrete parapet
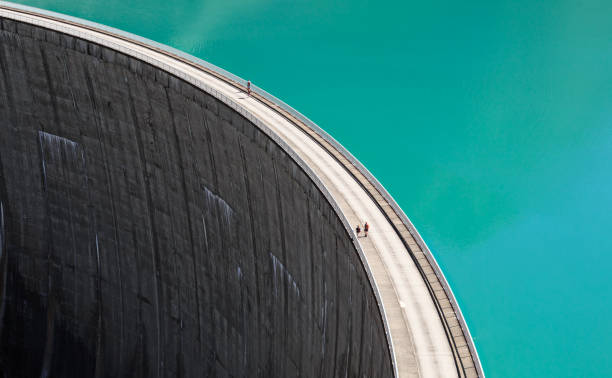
418	337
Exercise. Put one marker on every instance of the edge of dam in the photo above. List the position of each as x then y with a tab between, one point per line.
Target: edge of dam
456	330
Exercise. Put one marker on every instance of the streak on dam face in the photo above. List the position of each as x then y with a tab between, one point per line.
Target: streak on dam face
149	230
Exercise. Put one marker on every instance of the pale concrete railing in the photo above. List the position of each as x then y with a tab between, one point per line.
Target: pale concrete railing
275	104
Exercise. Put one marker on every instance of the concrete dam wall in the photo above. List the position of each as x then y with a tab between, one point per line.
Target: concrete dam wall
147	229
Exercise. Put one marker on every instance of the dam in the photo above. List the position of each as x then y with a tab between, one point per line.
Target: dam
158	220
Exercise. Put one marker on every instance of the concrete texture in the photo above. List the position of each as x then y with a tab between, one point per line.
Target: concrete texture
148	229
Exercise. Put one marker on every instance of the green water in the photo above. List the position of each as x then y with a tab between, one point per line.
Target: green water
490	123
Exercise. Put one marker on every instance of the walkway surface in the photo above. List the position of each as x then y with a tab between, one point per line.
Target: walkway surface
420	342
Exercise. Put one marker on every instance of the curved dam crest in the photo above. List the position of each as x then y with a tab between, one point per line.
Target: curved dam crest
237	203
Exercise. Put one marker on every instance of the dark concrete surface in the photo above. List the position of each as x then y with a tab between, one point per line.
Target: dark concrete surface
148	230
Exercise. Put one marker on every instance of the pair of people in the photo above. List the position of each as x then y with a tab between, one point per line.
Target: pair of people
366	228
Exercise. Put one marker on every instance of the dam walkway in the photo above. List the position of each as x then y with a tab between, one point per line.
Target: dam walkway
427	333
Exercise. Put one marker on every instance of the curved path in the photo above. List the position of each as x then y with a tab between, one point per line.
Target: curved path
428	335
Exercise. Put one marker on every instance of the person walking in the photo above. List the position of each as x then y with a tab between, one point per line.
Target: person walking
358	230
366	228
249	87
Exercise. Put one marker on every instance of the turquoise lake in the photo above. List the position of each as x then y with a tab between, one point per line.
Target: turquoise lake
490	122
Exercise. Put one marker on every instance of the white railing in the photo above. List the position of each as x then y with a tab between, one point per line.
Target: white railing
228	76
